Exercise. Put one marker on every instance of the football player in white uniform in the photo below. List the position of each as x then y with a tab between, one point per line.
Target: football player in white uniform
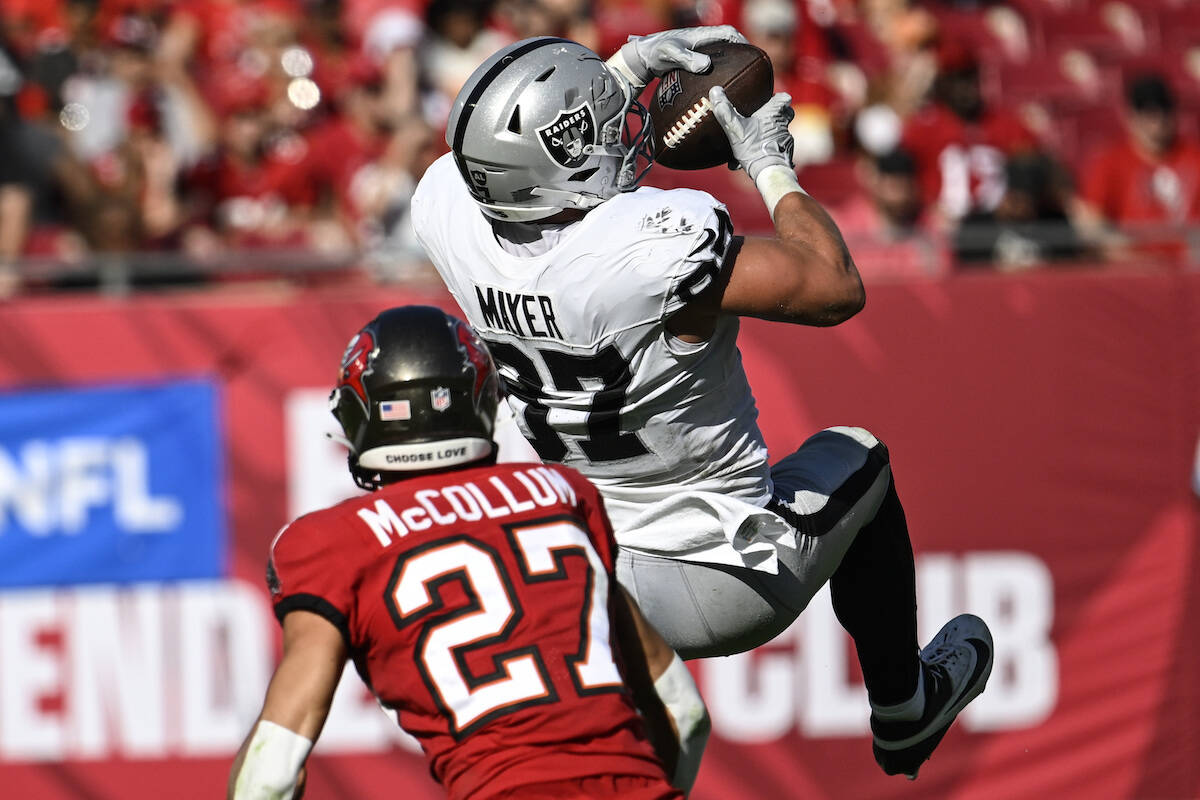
612	312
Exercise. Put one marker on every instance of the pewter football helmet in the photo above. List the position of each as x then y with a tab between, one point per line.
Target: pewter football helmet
541	126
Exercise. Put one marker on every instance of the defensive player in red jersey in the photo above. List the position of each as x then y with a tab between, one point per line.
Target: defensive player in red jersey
477	600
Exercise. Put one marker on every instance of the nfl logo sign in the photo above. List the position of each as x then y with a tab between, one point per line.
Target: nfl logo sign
439	398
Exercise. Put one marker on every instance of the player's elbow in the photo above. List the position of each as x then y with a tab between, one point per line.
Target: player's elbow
852	300
828	302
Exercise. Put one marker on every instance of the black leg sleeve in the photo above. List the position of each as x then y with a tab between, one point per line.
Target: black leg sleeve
874	597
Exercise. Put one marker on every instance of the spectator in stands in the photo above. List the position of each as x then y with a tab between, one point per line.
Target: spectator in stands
959	143
382	193
253	191
351	135
774	26
570	19
459	41
219	33
884	224
392	45
343	150
16	200
42	185
134	120
616	20
904	38
1151	178
1028	226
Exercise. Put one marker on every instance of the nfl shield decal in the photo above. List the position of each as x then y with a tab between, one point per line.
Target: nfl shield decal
566	138
668	89
439	398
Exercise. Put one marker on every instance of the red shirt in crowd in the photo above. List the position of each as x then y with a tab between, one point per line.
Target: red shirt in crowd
251	201
961	164
1127	186
476	605
337	150
227	27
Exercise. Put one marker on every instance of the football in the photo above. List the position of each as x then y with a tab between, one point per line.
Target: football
686	134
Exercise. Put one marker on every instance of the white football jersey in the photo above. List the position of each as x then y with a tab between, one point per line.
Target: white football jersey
665	429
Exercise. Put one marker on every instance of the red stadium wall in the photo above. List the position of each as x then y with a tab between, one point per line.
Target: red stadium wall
1043	432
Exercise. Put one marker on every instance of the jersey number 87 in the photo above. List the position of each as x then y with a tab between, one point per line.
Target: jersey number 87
605	441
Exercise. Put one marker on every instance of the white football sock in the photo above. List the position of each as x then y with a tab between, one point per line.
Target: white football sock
910	709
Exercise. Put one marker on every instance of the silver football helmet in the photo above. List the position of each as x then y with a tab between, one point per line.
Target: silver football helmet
542	126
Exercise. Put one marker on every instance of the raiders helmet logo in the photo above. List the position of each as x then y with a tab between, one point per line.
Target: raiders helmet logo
356	363
566	138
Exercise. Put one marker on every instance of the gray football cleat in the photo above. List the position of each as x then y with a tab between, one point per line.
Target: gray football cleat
956	663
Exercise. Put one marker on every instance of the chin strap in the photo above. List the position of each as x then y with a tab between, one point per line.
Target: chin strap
342	440
567	199
518	213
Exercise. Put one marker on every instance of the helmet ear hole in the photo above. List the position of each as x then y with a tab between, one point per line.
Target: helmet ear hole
514	122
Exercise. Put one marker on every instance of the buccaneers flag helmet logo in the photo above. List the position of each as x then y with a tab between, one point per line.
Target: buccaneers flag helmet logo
356	363
477	357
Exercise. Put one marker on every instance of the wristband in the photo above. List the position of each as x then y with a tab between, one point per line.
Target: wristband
774	182
272	763
619	65
677	690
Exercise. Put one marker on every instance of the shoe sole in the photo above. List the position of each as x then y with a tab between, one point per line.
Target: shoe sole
921	749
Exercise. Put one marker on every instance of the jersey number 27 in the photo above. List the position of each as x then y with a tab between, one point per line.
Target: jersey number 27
467	699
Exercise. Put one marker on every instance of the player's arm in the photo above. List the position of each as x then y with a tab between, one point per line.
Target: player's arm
804	274
270	763
664	691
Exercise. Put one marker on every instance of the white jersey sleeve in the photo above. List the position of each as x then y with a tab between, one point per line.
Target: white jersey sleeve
663	247
697	235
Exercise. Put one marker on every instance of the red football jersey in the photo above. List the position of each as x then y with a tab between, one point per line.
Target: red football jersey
337	152
1126	186
475	604
961	165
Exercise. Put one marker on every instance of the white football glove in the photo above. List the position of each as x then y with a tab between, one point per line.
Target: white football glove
760	140
645	57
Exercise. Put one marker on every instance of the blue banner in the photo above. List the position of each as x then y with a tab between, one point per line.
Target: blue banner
114	484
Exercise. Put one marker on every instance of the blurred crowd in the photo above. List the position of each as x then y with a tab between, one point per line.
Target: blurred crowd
942	135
